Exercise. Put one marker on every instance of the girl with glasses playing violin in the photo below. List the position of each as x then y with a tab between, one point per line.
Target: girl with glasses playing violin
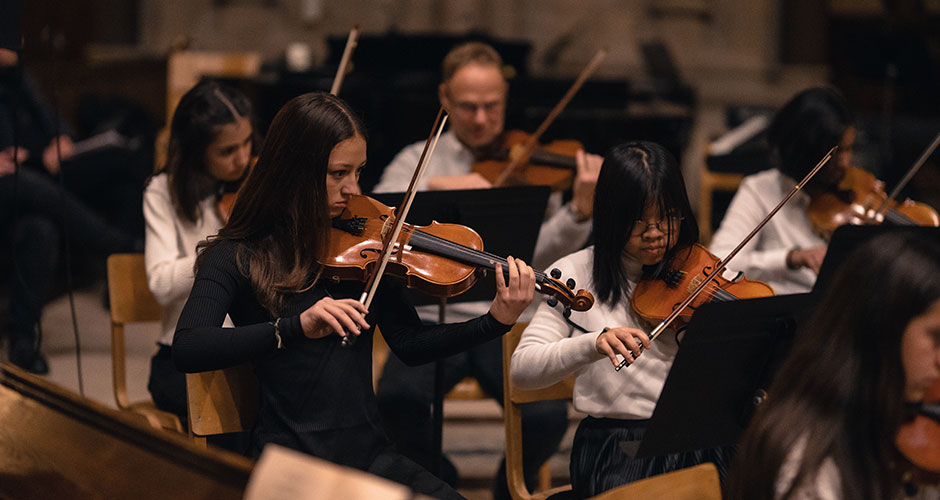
263	270
642	218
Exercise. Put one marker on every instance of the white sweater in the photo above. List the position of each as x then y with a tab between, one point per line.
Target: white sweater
551	350
765	257
170	250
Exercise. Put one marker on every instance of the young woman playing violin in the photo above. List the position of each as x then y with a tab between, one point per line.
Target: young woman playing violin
639	182
787	253
262	269
210	146
829	426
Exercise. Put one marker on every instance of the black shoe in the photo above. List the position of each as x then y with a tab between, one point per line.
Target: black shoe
24	356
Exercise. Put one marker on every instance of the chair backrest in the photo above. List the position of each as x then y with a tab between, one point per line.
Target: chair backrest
694	483
222	401
131	302
513	398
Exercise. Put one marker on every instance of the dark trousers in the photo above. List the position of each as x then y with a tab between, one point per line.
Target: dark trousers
37	214
167	385
405	395
602	456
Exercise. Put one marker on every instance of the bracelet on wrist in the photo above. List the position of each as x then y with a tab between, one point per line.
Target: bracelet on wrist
277	333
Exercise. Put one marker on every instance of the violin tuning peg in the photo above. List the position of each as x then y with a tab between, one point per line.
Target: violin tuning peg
552	301
556	273
570	283
567	312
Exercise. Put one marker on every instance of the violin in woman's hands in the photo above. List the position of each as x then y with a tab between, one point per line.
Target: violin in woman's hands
442	260
655	299
918	440
514	292
860	199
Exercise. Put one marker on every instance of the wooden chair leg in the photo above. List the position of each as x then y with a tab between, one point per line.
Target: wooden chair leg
545	476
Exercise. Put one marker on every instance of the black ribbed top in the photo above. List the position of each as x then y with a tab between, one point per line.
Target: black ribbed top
311	385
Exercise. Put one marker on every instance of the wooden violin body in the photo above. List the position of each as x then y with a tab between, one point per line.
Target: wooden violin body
551	165
356	239
225	198
919	440
443	260
858	200
655	299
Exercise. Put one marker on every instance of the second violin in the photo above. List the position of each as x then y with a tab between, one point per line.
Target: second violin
655	299
860	199
551	165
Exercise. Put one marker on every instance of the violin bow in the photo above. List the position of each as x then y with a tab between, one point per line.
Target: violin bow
533	140
910	175
351	43
388	243
723	263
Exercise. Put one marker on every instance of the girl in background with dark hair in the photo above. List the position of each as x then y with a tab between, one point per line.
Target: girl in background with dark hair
642	218
210	148
787	252
263	271
828	428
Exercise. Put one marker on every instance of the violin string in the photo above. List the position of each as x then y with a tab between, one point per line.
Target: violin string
898	219
469	255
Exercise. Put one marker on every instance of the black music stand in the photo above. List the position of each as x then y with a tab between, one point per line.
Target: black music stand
507	219
725	363
846	238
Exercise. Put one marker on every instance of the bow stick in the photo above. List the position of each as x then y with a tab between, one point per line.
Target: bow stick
910	175
533	140
391	237
344	61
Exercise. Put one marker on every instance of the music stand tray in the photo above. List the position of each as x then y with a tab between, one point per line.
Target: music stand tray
846	238
725	363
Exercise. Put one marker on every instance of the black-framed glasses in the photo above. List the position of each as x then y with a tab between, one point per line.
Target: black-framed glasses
664	225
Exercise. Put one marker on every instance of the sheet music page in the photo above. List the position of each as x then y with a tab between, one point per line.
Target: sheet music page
285	474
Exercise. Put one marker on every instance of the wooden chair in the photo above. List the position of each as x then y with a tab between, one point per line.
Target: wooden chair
132	302
221	401
512	414
712	182
694	483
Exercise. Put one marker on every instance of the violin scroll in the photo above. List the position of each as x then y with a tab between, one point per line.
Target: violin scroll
564	293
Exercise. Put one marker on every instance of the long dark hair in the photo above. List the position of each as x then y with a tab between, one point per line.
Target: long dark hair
811	123
281	218
840	389
202	111
633	175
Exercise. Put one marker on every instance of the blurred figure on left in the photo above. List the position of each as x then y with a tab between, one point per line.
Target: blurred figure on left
210	148
35	214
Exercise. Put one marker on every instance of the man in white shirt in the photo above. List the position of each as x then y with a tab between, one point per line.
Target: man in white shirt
474	92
